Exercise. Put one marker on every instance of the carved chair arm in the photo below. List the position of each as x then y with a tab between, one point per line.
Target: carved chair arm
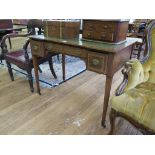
11	35
133	75
138	47
25	47
139	44
125	72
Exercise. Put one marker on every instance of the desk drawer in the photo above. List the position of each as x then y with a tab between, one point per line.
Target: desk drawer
97	62
52	47
65	49
37	48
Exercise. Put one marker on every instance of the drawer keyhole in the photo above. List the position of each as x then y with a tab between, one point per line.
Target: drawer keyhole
35	47
95	62
89	34
49	47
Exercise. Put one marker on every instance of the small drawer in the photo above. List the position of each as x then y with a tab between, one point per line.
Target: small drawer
53	47
74	51
107	36
97	62
103	35
105	26
37	48
88	34
65	49
89	26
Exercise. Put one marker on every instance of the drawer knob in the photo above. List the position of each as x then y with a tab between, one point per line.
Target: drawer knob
105	26
103	35
49	47
35	47
95	62
89	34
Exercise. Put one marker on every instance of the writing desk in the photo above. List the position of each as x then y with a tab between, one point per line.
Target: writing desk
100	57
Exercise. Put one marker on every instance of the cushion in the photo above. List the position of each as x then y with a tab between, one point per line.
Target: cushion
18	56
138	103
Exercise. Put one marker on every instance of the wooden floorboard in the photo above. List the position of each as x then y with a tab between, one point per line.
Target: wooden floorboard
74	107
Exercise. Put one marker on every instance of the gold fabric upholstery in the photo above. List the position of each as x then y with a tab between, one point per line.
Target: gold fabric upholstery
149	66
136	74
138	98
138	103
142	72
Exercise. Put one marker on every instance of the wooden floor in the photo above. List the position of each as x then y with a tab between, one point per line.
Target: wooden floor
74	107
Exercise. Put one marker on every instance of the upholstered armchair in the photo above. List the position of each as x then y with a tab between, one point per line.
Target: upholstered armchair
135	97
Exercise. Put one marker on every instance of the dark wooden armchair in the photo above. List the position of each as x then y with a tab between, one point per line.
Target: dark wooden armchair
22	57
135	97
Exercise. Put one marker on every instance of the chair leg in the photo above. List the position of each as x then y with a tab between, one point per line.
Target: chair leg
1	58
10	43
112	121
63	67
58	57
30	80
10	70
51	67
40	70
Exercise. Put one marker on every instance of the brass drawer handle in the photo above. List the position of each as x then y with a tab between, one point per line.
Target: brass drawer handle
103	35
105	26
95	62
89	34
90	25
49	47
35	47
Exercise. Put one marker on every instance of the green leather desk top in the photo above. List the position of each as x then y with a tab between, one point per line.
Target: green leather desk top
89	44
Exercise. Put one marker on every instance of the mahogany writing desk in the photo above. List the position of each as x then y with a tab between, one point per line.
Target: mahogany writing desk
100	57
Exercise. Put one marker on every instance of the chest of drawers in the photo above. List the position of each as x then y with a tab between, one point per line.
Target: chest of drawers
62	29
113	31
